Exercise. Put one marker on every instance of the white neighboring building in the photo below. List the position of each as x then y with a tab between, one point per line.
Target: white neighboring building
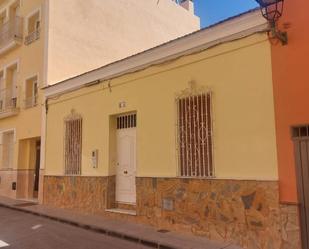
84	35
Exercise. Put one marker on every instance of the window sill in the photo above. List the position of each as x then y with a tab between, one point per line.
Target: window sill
9	112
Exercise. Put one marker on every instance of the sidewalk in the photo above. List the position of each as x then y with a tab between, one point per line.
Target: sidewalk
143	234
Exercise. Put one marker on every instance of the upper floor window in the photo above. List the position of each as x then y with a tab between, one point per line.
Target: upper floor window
33	27
9	92
11	27
73	144
10	12
14	10
9	88
2	18
31	92
194	135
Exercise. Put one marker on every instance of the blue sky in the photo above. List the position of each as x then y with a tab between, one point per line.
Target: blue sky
212	11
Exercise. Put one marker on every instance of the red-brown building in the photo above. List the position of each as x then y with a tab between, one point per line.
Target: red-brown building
291	88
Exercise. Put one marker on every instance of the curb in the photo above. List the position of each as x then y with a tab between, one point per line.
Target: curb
111	233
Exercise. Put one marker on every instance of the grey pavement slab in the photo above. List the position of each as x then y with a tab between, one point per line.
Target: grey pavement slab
127	230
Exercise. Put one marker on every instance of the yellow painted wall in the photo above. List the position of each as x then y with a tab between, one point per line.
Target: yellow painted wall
238	73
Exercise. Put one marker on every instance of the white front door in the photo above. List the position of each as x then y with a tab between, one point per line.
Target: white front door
126	159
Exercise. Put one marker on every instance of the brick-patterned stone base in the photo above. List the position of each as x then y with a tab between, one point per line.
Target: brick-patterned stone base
86	194
7	177
246	213
290	227
243	212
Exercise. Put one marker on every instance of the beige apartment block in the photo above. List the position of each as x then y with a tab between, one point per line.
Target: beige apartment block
46	41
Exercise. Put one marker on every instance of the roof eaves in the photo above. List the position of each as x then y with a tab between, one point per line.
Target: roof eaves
162	46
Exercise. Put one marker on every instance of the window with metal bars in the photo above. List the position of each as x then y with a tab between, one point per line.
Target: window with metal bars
126	121
194	135
73	144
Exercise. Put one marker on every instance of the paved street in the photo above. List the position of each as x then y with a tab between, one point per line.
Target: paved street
26	231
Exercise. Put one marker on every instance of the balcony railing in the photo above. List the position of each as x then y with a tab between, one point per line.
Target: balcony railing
31	101
8	101
32	37
11	31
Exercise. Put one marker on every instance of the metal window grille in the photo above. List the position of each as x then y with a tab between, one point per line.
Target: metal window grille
73	144
32	37
194	135
126	121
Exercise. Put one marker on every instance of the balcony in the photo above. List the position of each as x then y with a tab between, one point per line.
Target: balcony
32	37
11	34
8	103
31	102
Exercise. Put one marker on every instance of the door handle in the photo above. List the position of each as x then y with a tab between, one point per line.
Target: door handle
125	172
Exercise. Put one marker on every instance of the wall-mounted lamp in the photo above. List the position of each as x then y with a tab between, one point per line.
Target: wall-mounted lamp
272	10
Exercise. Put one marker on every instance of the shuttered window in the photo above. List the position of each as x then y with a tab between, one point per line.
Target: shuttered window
73	145
194	135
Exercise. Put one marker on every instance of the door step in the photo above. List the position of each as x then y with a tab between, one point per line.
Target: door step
121	211
126	206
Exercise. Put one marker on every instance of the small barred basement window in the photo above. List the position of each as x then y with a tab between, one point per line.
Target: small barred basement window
194	135
73	144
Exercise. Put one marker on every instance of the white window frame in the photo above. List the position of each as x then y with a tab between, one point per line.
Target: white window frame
3	11
2	132
25	90
7	67
11	64
10	5
7	7
31	14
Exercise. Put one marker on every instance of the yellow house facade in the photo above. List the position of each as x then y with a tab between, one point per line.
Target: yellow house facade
44	41
181	137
